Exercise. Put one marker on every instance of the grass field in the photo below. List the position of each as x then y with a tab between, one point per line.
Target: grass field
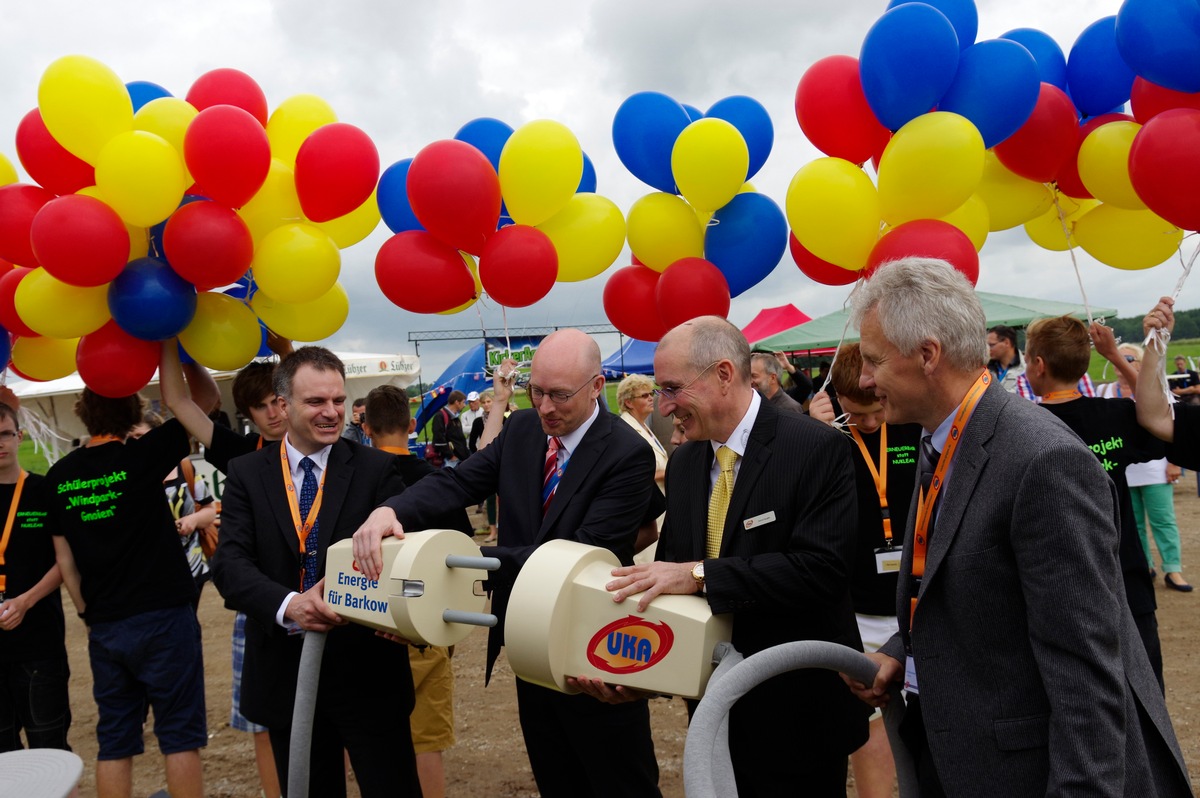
32	461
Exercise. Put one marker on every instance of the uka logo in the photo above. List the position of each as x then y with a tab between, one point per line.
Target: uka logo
629	645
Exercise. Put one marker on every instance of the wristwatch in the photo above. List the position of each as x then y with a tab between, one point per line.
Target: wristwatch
698	575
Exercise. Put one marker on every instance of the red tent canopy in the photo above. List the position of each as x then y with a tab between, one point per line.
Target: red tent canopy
771	321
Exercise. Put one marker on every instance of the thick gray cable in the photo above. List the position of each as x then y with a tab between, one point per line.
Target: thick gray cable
707	768
302	713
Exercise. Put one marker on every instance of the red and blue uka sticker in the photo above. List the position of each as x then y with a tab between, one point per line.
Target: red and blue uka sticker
629	645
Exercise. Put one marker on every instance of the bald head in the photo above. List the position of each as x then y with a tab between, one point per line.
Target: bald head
706	339
566	364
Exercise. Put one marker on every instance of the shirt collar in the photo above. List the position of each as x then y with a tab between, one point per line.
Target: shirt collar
943	431
320	458
572	439
741	433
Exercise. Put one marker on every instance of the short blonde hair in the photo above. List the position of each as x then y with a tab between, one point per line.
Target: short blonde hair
631	386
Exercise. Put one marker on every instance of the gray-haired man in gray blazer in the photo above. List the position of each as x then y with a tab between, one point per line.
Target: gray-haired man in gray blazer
1026	674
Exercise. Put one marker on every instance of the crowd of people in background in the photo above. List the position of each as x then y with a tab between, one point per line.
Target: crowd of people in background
939	496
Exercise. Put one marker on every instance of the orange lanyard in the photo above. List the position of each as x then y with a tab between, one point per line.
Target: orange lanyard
98	440
927	500
260	443
1054	396
8	526
879	475
394	449
305	525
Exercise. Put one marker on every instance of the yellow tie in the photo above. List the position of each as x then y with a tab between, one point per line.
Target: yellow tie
718	503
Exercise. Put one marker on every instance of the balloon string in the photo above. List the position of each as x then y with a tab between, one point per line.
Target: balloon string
1062	219
845	329
1160	337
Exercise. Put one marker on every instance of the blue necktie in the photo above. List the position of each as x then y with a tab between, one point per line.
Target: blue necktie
308	494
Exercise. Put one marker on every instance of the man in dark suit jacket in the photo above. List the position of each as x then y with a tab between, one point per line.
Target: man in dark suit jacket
1016	638
782	565
261	571
576	746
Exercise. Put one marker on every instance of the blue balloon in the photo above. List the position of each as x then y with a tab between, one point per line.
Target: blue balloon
184	357
1099	78
150	301
486	135
587	181
996	87
143	91
962	15
644	131
746	240
694	113
752	121
908	60
1160	39
264	349
1052	64
5	346
392	198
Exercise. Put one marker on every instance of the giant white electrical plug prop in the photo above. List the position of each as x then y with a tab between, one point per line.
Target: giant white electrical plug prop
561	622
426	592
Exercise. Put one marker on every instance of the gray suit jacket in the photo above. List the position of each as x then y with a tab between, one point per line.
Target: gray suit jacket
1032	677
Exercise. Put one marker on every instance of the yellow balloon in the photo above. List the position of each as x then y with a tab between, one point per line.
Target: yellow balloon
304	321
45	358
296	263
8	174
168	117
930	167
1011	199
1047	230
540	168
972	218
223	335
348	230
84	105
473	267
748	188
1104	164
833	209
588	234
662	229
55	309
275	204
292	122
139	237
1126	239
709	163
141	177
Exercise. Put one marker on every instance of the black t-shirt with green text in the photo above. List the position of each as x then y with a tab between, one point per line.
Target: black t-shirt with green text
108	502
27	558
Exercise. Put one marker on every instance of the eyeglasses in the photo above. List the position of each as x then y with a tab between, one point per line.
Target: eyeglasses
8	435
645	395
536	394
671	393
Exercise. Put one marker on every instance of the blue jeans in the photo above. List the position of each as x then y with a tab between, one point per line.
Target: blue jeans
33	698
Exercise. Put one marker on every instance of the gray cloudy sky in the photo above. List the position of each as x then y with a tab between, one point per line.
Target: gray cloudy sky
411	73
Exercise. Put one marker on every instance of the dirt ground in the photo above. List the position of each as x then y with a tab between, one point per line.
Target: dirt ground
489	758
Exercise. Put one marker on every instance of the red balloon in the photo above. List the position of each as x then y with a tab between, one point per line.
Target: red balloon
19	203
833	111
115	364
1068	180
80	240
455	194
1164	165
1148	100
688	288
337	167
926	238
47	161
817	270
420	274
229	87
630	305
518	266
208	245
1041	146
227	152
9	318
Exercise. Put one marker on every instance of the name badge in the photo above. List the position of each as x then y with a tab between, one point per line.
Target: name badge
759	520
910	675
887	561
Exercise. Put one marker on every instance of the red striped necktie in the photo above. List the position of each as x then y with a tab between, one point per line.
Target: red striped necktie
550	473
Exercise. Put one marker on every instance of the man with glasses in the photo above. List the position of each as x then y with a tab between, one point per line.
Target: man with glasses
761	520
567	469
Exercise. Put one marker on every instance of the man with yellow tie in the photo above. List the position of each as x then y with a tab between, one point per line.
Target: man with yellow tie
761	519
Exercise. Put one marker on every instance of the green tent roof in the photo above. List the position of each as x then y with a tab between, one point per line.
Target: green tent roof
825	332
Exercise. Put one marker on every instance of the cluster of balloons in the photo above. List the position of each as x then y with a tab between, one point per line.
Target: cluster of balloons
152	217
521	201
969	137
705	235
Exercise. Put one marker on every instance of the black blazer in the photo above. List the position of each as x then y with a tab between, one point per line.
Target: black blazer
601	499
258	563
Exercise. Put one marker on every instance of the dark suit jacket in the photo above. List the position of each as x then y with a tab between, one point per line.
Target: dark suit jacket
601	499
258	564
1032	676
448	437
784	580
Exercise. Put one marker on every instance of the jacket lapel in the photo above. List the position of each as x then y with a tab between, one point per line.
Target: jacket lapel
579	465
758	454
339	471
274	487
